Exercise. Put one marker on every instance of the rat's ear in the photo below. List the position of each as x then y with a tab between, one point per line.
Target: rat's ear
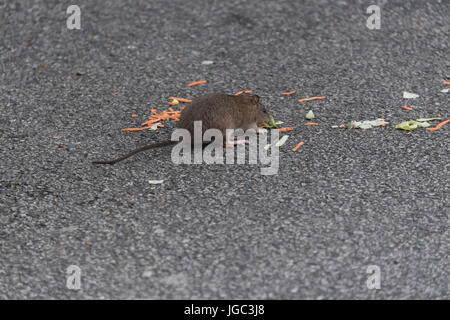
255	99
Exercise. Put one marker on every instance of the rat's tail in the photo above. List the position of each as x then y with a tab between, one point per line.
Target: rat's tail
132	153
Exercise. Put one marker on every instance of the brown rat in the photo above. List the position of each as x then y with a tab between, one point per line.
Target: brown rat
216	111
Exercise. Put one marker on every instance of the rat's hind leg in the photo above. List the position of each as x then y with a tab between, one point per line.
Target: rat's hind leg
231	144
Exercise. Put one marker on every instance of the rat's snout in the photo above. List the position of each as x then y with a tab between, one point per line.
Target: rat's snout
263	115
262	108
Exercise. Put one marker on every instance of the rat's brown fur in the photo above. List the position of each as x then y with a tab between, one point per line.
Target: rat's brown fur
223	111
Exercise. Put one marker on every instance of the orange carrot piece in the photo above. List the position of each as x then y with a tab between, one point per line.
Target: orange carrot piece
447	82
407	108
440	125
285	129
150	122
153	111
134	115
298	146
196	83
311	124
136	129
181	99
311	99
288	93
241	92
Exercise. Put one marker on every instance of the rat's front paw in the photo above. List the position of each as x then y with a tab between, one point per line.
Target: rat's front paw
231	144
261	131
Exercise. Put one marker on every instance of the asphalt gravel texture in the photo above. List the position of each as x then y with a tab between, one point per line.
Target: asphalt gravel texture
347	199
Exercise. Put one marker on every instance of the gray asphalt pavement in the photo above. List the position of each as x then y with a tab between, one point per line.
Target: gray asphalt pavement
346	200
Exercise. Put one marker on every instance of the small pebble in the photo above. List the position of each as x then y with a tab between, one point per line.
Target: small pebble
207	62
155	181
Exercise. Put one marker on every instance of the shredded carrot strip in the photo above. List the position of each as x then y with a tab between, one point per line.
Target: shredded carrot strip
153	121
298	146
288	93
153	110
136	129
285	129
196	83
407	108
134	115
311	124
310	99
440	125
181	99
241	92
447	82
